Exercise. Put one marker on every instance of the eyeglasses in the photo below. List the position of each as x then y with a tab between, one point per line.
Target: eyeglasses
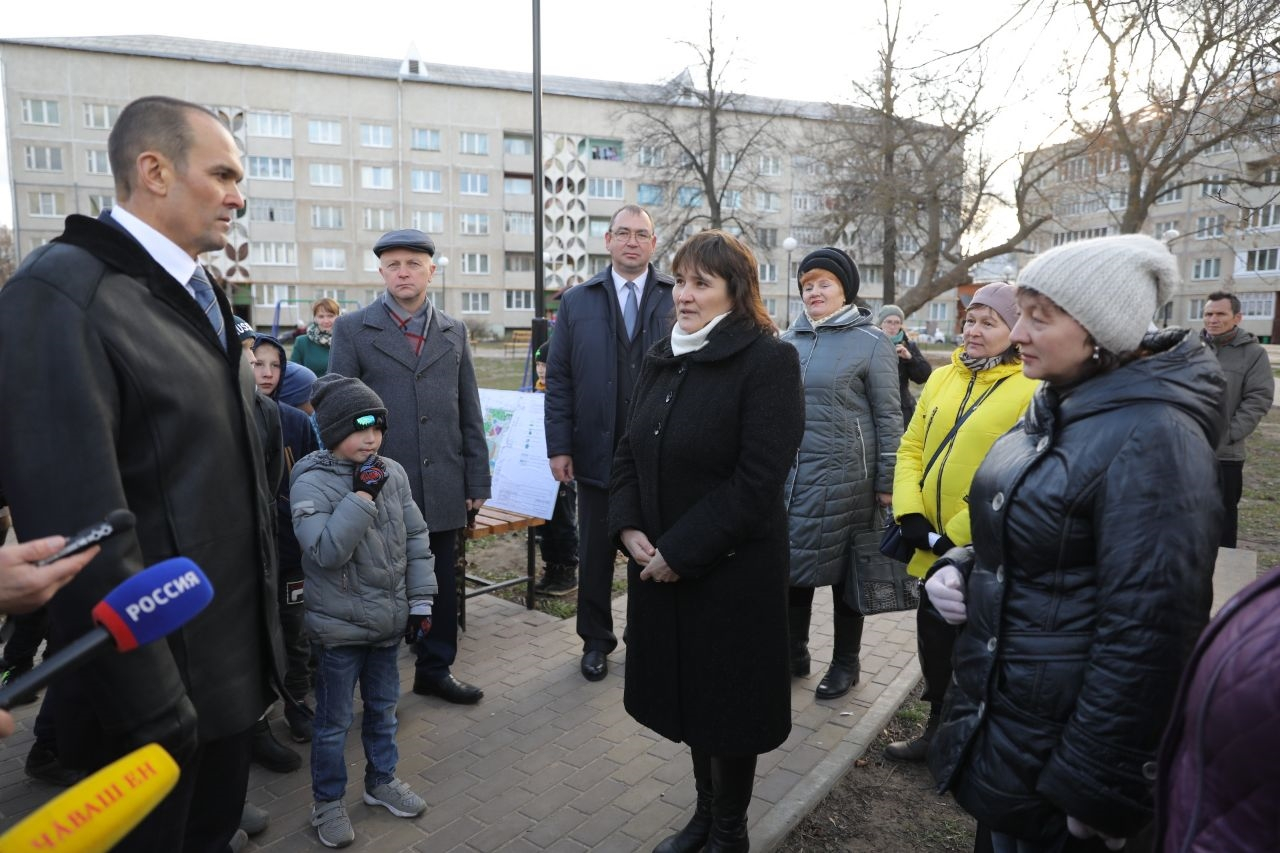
625	235
412	266
360	422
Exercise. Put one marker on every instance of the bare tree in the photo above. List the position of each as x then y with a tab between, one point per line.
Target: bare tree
1181	82
914	183
8	254
702	145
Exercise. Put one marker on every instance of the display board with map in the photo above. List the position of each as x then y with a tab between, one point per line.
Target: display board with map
522	480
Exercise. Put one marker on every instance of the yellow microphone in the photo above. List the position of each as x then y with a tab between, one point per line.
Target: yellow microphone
95	813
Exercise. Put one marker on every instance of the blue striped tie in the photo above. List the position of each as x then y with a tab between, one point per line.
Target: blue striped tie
208	303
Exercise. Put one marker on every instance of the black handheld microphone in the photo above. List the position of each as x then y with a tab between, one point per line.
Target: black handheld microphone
117	521
151	604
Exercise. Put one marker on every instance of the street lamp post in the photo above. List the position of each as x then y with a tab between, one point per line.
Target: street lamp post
790	245
443	263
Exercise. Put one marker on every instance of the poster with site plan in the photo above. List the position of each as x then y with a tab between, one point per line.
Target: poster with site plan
522	480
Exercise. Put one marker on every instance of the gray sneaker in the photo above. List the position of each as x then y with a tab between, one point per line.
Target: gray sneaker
332	824
397	797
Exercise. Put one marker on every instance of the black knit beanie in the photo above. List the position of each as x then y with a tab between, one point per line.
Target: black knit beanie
338	401
838	264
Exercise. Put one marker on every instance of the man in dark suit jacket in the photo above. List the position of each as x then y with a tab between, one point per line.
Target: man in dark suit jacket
416	358
125	387
603	329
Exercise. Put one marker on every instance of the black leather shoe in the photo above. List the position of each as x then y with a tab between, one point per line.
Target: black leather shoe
271	753
44	766
595	665
449	689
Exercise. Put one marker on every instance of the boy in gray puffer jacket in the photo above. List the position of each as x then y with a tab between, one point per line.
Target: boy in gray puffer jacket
370	579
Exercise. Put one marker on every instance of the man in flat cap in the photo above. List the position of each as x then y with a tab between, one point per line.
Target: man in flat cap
416	358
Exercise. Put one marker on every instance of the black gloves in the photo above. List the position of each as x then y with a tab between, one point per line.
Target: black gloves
915	531
369	477
416	628
943	545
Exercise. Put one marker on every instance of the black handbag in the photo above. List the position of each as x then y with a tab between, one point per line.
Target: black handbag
876	583
891	543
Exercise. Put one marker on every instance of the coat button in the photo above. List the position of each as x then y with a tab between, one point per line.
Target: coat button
668	400
426	461
1042	444
1149	771
997	501
682	369
658	428
991	644
999	574
423	419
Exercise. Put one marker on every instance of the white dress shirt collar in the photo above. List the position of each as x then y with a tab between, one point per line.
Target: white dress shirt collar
162	250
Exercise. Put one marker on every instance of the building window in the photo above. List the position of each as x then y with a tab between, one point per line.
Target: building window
423	139
324	216
271	168
376	177
429	221
470	142
604	188
1220	147
1261	260
44	204
475	303
606	149
425	180
44	158
272	210
279	125
36	111
649	194
652	155
731	200
473	224
1169	196
768	271
273	254
726	160
375	135
1205	269
940	312
379	219
1213	186
267	295
518	145
475	263
329	259
517	222
100	116
767	238
767	201
1258	305
1195	309
770	165
473	183
908	277
805	202
689	196
99	203
324	132
519	300
597	226
1163	228
518	262
97	162
326	175
597	264
517	184
1210	226
336	293
1267	216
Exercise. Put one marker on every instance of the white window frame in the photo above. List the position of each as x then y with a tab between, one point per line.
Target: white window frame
428	221
100	202
377	177
474	263
1206	269
45	204
269	123
426	181
323	131
283	211
473	224
270	168
376	135
424	139
473	183
770	165
473	142
608	188
475	302
41	111
100	116
1209	227
517	222
97	162
273	253
379	218
519	183
43	158
517	144
327	216
325	175
329	259
519	300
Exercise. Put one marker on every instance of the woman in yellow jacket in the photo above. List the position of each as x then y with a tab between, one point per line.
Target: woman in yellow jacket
964	407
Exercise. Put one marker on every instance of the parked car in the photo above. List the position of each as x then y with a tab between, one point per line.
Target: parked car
922	335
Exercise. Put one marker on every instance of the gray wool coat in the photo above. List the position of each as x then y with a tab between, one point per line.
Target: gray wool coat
852	426
435	427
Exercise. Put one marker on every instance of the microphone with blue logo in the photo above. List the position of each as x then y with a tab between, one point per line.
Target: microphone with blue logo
152	604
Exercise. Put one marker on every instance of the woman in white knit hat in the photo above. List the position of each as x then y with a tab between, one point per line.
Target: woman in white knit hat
1089	578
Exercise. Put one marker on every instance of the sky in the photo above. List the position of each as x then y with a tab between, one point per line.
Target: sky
801	49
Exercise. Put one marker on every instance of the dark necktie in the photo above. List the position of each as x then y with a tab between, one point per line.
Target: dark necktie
208	303
631	311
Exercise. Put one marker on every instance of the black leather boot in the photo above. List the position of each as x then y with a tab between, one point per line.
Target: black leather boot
694	835
846	666
918	749
798	634
270	753
732	779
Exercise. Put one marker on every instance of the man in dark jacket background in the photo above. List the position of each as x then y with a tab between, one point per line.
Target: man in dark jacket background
125	387
1250	391
603	329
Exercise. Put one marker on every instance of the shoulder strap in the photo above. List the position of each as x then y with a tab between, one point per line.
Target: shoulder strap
955	428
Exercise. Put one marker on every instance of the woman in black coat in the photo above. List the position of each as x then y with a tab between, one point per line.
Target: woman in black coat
912	365
696	500
1094	536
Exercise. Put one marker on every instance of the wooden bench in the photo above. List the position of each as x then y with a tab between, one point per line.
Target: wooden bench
519	341
492	522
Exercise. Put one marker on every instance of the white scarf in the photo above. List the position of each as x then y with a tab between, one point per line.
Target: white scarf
694	341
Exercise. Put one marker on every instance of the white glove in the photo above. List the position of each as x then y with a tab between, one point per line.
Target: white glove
1080	830
946	591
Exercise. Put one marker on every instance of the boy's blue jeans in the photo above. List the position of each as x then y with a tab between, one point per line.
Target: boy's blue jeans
338	670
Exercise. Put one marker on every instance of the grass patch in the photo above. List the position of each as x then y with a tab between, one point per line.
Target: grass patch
503	374
1260	506
913	713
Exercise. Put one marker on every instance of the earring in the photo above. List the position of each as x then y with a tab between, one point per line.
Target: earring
1097	353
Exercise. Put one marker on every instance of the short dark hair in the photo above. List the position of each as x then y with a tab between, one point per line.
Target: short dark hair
722	254
152	123
633	209
1222	294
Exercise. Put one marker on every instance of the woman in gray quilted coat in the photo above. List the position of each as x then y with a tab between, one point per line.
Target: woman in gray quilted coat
844	470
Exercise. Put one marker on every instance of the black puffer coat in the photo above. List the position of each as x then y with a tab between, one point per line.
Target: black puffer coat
1095	527
700	471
